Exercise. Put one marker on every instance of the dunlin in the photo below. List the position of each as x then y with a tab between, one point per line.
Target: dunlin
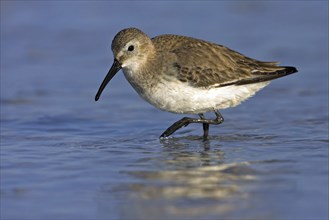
189	76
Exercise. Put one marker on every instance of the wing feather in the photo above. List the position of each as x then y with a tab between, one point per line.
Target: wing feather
204	64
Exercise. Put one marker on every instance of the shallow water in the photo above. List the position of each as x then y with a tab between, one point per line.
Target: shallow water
63	156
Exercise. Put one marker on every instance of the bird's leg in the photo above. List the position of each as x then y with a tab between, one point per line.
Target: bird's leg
219	118
177	125
186	121
205	127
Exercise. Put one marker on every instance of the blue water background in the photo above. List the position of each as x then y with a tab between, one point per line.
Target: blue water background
64	156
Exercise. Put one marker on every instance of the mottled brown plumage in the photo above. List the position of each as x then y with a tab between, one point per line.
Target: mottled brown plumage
186	75
223	67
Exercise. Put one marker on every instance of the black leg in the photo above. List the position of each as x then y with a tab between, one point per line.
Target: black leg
205	127
186	121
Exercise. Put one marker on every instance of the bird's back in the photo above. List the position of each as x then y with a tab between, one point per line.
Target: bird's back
205	64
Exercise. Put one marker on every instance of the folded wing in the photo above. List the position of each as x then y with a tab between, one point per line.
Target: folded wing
205	64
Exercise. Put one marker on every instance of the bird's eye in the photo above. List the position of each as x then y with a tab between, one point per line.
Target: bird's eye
131	48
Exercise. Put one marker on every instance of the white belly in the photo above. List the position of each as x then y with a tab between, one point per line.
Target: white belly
180	98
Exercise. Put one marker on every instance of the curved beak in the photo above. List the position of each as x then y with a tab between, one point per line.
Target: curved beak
116	66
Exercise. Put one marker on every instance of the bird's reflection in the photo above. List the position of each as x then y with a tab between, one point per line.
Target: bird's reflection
186	141
186	182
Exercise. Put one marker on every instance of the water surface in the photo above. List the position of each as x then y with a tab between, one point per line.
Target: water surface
63	156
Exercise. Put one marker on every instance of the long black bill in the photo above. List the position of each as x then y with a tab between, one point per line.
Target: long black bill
116	66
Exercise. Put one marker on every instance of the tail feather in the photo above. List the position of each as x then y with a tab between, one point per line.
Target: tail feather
283	71
266	76
263	76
